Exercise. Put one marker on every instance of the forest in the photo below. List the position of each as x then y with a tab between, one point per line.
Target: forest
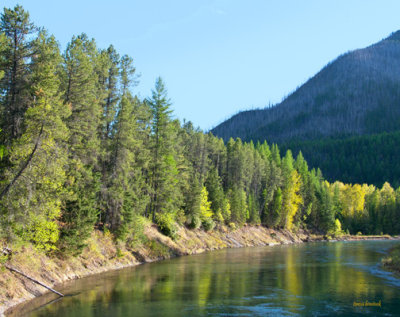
370	158
81	152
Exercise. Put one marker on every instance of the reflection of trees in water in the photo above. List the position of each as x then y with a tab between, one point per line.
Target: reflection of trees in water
283	277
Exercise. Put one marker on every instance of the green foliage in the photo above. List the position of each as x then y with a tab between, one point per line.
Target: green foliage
392	260
193	204
157	248
232	226
166	223
208	224
205	206
16	51
194	221
3	150
216	195
338	227
124	185
238	206
135	236
164	181
254	216
35	199
41	232
79	214
350	159
274	215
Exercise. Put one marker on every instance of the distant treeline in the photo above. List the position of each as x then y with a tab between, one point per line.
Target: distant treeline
80	151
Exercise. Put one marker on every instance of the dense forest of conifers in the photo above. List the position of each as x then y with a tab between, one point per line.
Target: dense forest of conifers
371	158
80	152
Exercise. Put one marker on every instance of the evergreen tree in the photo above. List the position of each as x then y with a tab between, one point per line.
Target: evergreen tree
238	205
193	201
164	173
254	216
32	199
125	194
306	190
273	217
108	80
80	84
15	95
326	209
216	194
3	57
275	154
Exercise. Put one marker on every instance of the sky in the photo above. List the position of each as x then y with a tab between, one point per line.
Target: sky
218	57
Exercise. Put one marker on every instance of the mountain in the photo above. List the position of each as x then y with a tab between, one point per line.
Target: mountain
356	95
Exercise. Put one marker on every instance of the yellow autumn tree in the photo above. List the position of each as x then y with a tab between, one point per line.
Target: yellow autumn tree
206	213
292	198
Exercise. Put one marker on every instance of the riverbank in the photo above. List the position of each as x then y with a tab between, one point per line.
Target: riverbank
102	254
392	260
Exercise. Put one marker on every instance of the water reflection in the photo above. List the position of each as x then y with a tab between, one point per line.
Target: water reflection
307	279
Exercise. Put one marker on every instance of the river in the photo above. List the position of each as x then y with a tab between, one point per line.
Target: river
310	279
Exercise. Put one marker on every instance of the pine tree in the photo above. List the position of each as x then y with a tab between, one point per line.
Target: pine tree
238	205
14	87
109	85
166	194
216	194
125	193
3	58
193	202
80	84
273	217
306	190
275	154
326	209
33	198
254	216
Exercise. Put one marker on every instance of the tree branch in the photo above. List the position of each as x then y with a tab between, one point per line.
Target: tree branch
7	188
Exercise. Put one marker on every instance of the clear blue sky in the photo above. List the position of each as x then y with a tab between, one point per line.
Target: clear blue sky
221	56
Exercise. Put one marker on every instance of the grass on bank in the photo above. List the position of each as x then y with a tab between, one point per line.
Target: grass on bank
392	261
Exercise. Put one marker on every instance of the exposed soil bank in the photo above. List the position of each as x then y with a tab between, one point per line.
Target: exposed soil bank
103	255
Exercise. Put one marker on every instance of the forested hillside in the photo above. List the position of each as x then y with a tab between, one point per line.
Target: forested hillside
81	152
370	158
357	94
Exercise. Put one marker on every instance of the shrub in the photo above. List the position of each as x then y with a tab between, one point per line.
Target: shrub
136	235
166	223
180	217
41	232
208	224
218	216
194	222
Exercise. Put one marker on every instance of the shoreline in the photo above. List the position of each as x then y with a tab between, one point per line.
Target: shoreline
391	261
55	272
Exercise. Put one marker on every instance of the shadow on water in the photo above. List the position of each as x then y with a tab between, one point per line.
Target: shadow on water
317	279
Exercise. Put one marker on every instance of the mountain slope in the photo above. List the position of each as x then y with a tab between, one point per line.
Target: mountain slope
345	119
357	94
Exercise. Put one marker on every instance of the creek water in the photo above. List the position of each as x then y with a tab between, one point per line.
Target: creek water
311	279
